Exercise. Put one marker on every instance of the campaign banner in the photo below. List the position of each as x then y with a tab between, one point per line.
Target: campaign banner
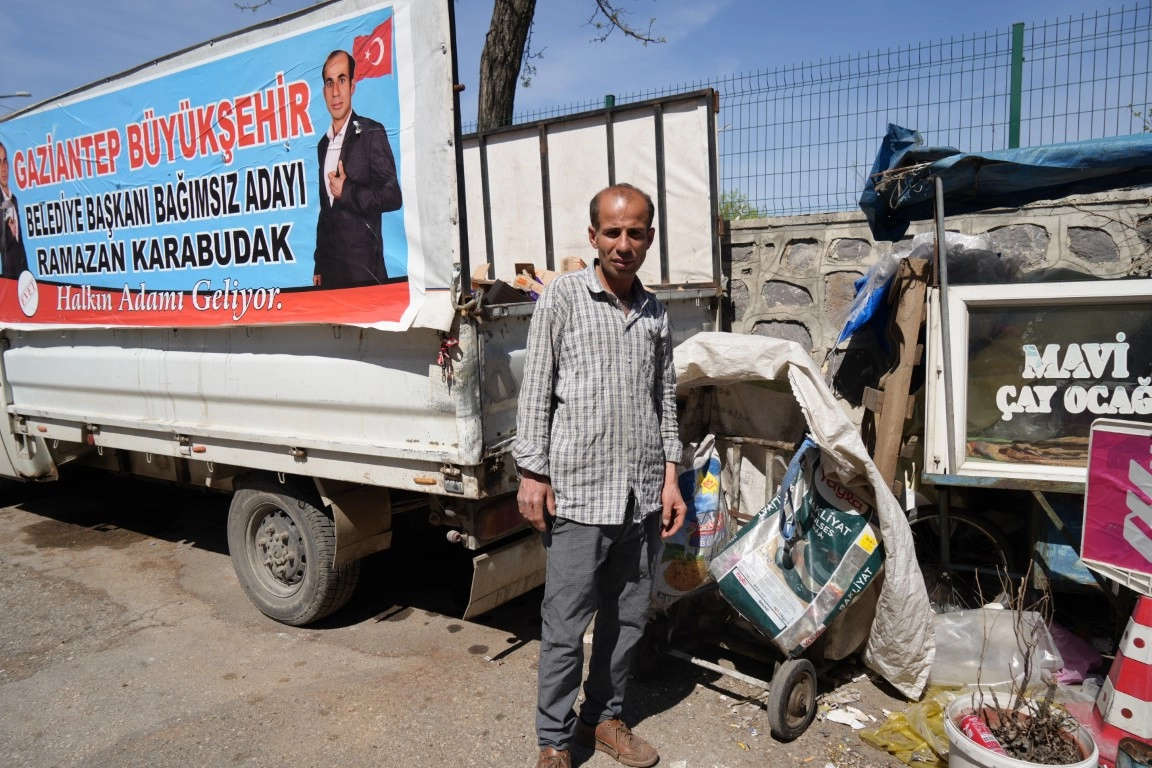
1118	498
264	179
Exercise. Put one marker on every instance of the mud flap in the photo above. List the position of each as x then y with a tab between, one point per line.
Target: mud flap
363	518
505	573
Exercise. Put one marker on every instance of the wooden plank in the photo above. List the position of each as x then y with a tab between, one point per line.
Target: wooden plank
908	296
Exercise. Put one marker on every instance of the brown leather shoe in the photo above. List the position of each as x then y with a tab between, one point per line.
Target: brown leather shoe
615	739
554	758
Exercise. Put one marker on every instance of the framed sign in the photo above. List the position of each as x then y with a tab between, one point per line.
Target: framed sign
1032	366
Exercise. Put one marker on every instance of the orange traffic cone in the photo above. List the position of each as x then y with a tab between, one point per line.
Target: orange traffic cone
1123	708
1125	699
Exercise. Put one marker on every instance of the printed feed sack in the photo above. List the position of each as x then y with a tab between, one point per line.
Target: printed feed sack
803	559
683	563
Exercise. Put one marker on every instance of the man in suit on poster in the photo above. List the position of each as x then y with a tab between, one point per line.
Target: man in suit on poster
15	260
357	185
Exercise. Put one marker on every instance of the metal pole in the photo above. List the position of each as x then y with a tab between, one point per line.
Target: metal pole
1014	95
661	195
546	200
486	202
754	681
946	368
610	137
945	506
945	325
714	189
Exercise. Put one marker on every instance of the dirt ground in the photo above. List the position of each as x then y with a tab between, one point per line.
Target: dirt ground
127	641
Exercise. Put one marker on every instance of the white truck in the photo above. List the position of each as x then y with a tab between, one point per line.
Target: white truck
166	324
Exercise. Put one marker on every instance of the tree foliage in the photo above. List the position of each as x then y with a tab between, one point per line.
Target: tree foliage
1144	117
735	205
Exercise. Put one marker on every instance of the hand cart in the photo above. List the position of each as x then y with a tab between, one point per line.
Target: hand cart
759	396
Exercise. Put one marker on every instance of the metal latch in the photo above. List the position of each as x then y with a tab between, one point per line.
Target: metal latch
453	479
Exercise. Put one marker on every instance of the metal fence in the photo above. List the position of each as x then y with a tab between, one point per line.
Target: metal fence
801	139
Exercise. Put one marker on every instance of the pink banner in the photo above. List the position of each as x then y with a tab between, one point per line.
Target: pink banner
1118	498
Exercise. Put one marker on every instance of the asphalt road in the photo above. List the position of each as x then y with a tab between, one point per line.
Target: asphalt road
126	640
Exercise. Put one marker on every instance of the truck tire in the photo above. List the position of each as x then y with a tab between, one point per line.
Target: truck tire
282	546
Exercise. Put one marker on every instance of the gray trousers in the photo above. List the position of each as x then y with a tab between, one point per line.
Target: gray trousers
604	570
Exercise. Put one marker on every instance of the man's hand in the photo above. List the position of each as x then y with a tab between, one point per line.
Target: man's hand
336	180
675	509
536	500
315	279
13	228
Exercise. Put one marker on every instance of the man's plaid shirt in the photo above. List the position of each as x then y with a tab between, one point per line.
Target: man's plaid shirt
597	410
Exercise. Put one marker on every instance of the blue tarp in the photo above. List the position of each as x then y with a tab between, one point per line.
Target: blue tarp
904	169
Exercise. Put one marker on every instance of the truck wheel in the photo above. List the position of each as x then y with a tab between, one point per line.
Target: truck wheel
282	547
792	699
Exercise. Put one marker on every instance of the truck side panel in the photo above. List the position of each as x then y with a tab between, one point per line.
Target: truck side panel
328	401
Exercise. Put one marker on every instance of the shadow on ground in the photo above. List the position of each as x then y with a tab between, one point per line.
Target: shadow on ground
89	508
422	572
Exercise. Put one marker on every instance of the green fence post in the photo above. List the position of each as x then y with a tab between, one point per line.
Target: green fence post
1016	86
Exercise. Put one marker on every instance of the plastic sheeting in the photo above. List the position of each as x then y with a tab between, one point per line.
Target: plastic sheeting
900	188
901	645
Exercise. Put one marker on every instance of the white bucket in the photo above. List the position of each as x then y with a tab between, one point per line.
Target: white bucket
965	753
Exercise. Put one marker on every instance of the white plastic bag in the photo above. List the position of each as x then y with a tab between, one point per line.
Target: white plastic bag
979	647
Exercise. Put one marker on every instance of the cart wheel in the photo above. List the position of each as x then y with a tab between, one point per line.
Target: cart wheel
978	563
792	699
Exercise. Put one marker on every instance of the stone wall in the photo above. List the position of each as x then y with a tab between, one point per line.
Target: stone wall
793	277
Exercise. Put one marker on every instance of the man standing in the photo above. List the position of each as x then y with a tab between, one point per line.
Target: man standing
597	448
357	184
15	260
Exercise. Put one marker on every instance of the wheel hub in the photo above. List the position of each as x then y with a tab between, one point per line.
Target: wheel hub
279	548
799	703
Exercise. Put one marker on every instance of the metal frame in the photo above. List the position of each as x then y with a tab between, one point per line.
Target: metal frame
657	106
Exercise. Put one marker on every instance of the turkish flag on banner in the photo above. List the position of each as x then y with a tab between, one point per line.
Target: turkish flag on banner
373	53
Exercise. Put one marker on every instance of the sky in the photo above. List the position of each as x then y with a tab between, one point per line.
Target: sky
52	46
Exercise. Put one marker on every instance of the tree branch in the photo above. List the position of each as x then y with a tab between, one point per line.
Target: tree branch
528	67
613	15
253	6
